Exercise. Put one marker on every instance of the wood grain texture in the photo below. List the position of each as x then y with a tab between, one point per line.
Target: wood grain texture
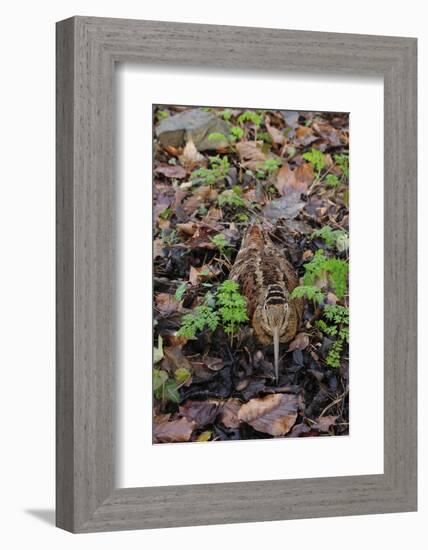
87	49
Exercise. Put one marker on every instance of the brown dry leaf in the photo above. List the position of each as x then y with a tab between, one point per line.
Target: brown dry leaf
207	367
250	153
175	357
200	274
290	181
299	430
188	228
274	414
305	135
229	413
206	193
305	174
301	341
276	135
324	423
326	131
191	204
167	304
171	171
201	413
287	207
191	157
158	247
173	431
201	239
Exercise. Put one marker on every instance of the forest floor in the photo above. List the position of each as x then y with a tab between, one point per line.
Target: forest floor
212	379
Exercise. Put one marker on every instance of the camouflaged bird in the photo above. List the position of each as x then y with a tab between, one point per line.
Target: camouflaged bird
266	280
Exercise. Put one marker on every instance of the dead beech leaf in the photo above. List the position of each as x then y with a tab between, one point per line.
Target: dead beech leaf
188	228
175	357
229	413
301	341
172	431
292	181
171	171
324	423
158	247
274	414
204	273
287	207
276	135
201	413
191	157
250	153
305	135
207	367
167	304
305	174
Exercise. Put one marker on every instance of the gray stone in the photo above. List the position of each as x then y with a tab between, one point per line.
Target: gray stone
195	124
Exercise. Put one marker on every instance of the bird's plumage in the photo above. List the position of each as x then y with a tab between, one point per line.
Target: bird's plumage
267	280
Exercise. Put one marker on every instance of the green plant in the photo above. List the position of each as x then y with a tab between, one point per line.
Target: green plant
220	242
343	162
250	116
230	197
202	317
163	388
161	115
226	114
233	306
337	328
242	218
332	181
316	158
334	269
310	292
268	167
179	293
333	237
236	133
219	167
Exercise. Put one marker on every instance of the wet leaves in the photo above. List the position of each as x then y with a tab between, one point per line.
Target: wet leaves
274	414
171	431
288	170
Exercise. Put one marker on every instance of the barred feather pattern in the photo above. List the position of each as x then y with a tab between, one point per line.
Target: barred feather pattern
266	280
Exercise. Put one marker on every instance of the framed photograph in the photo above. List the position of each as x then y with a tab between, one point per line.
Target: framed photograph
236	274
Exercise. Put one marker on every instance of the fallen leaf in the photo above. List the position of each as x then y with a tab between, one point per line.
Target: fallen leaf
191	156
293	181
291	118
287	207
171	171
250	153
158	248
200	274
167	304
274	414
300	429
204	436
188	228
201	413
158	351
229	413
301	341
276	135
207	368
176	358
305	135
173	431
324	423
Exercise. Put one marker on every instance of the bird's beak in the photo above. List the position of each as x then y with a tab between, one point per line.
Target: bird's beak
276	351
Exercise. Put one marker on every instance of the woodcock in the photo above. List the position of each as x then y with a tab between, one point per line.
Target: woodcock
266	280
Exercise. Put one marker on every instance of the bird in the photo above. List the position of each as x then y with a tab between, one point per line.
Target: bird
267	279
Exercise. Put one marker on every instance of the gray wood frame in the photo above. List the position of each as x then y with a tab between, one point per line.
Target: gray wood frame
87	50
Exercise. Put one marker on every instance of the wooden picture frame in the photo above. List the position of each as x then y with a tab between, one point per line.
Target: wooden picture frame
87	50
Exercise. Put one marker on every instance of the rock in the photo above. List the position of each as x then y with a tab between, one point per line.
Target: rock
197	124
